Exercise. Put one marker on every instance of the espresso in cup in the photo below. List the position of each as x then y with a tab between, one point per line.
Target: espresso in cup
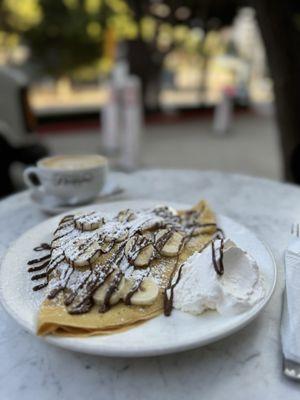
71	179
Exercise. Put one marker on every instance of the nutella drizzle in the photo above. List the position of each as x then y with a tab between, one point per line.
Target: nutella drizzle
110	291
71	296
92	284
55	262
83	307
94	280
45	265
135	288
39	287
45	260
42	246
140	243
218	266
39	276
38	260
60	236
39	267
168	299
62	284
220	233
159	243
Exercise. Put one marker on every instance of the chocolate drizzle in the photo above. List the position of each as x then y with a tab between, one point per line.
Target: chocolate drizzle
38	267
60	237
129	295
83	299
39	276
159	243
42	246
54	263
69	297
218	266
169	292
39	287
110	291
38	260
44	263
83	307
135	288
62	283
220	233
45	260
139	244
78	300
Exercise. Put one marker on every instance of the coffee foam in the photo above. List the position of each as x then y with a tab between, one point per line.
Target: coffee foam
73	162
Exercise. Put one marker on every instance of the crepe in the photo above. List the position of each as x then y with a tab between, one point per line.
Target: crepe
54	318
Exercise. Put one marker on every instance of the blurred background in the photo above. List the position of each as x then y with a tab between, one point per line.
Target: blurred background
207	84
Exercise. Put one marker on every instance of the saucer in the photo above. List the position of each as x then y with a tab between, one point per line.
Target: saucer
51	206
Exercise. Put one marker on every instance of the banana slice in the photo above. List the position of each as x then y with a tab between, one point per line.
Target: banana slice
144	256
162	236
139	251
117	235
126	215
106	247
165	211
100	293
129	245
195	231
173	246
146	294
151	224
89	222
81	254
159	234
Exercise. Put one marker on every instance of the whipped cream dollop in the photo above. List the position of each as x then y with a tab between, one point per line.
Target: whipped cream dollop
200	287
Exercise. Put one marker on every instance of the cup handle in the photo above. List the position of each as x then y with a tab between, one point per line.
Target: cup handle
31	178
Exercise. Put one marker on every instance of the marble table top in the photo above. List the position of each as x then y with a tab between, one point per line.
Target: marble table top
246	365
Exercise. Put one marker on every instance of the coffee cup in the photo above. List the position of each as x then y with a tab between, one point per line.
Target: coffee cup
70	179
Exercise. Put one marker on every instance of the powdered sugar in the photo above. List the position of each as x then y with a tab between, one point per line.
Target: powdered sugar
131	241
77	242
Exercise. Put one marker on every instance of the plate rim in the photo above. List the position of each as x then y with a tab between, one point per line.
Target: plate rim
68	342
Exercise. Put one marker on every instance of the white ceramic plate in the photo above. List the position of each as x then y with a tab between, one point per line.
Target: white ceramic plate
160	335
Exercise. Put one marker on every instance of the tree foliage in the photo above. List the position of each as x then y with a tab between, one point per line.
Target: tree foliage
65	36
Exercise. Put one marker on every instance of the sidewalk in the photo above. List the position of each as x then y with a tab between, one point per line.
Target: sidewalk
250	148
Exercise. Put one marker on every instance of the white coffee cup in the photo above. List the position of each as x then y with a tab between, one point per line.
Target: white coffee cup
70	179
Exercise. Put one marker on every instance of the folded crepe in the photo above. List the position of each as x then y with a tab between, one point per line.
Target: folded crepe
69	308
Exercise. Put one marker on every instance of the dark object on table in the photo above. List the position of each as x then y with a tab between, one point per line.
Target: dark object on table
26	154
295	164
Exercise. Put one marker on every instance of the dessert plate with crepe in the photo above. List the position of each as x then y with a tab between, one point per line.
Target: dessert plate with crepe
136	278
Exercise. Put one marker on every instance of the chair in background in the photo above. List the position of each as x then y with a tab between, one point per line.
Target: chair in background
18	143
